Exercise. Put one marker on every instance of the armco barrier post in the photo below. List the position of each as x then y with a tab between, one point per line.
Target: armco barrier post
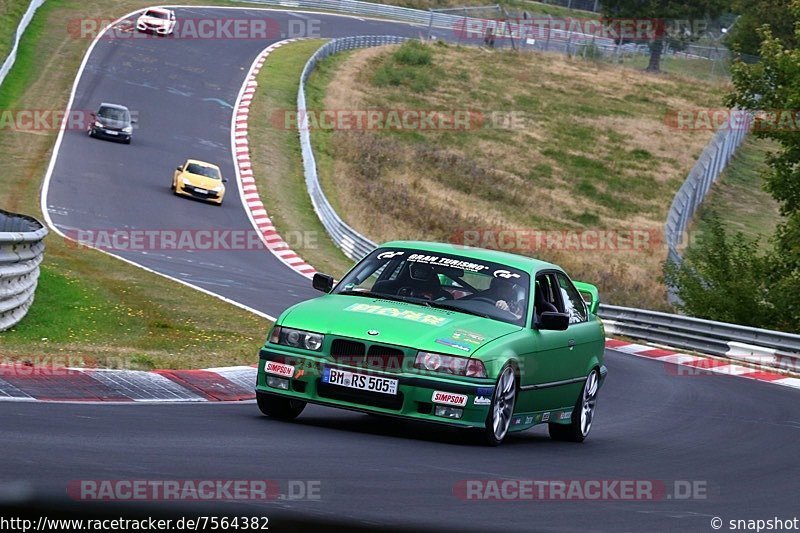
21	253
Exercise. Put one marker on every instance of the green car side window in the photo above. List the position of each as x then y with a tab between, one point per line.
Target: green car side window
573	302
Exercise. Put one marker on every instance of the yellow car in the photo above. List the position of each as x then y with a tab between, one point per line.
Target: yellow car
199	179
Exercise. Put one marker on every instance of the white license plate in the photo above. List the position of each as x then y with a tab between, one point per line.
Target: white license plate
111	132
201	191
353	380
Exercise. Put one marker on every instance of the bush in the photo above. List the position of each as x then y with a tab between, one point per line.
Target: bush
410	66
723	278
413	53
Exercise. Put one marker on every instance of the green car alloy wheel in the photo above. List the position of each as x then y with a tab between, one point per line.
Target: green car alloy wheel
443	334
505	395
582	416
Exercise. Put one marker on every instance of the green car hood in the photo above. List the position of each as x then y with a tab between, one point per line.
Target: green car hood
397	323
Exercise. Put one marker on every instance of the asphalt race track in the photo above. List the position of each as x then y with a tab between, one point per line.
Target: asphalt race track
183	91
734	437
730	434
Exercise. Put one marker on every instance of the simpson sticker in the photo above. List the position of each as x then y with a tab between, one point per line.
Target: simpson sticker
454	344
565	415
271	367
482	400
449	398
413	316
467	336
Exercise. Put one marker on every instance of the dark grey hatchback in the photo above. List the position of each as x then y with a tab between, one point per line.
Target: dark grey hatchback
112	121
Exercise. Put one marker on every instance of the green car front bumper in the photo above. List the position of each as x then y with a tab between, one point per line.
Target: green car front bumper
414	398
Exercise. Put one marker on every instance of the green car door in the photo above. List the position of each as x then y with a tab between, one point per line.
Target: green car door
555	366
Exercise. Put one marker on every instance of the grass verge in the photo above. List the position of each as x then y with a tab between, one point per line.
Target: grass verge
11	12
277	162
559	145
739	198
91	307
707	70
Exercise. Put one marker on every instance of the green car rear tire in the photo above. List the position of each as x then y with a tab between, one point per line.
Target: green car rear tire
582	415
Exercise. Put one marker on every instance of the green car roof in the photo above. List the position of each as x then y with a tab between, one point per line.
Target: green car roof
528	264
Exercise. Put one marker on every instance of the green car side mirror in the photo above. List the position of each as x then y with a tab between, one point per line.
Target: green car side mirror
553	321
322	282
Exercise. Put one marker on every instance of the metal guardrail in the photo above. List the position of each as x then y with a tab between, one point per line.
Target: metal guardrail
21	27
563	40
21	253
706	171
370	9
353	244
773	349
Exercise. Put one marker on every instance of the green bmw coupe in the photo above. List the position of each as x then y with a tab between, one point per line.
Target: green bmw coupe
445	334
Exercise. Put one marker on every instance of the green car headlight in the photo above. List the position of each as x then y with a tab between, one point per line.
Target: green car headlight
450	364
296	338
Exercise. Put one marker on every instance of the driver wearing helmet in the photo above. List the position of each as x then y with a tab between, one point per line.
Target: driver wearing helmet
507	294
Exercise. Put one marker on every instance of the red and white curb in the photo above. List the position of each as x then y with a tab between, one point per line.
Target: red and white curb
19	382
244	171
697	365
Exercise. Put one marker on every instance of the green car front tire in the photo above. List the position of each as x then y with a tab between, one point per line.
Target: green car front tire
502	407
279	407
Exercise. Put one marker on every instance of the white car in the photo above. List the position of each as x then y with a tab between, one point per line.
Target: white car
157	20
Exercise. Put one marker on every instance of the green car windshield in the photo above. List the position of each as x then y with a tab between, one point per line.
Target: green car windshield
447	281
